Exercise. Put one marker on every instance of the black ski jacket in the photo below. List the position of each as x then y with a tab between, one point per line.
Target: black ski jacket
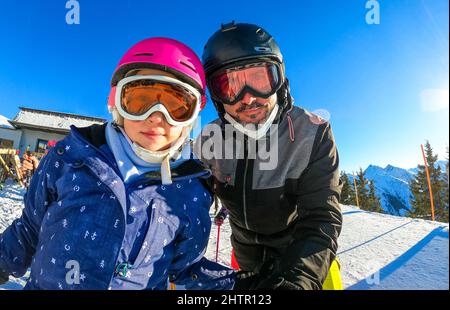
284	209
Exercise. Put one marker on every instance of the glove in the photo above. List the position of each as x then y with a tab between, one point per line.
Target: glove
221	216
251	280
277	283
3	278
269	277
246	280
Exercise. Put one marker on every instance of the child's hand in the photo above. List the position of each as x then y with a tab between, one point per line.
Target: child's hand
29	163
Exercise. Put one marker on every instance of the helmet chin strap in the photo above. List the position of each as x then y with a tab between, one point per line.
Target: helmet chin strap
162	157
250	129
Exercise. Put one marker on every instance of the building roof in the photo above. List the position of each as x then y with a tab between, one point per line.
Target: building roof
4	123
52	121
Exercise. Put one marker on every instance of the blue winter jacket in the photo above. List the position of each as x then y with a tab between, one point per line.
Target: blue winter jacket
73	231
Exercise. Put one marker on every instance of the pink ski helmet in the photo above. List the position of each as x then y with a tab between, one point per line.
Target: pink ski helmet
165	54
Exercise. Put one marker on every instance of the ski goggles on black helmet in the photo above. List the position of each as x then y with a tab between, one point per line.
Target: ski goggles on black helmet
262	79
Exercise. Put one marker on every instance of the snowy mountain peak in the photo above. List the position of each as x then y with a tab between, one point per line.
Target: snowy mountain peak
392	186
373	170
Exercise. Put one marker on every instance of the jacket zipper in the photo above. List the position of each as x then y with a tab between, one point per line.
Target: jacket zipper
244	204
245	186
124	220
243	194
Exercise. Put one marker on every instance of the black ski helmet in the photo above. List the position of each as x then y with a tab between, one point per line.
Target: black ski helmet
238	44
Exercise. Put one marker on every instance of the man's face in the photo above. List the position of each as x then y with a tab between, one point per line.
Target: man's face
251	82
251	109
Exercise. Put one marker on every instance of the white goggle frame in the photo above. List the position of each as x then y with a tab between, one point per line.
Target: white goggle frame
157	107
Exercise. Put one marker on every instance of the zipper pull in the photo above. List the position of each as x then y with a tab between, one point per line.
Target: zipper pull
227	180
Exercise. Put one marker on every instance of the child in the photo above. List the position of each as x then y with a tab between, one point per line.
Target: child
123	205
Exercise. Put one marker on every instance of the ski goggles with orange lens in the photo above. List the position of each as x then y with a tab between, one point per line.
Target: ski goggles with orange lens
137	97
261	79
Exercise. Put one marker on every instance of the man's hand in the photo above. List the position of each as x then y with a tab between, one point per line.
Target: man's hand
221	216
246	280
219	219
269	277
278	283
3	278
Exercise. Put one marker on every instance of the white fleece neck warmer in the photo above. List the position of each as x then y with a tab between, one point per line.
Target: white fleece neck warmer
140	159
255	131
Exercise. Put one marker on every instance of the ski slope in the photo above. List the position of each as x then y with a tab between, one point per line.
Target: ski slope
379	252
376	251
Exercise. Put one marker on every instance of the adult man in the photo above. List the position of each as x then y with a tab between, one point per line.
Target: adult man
285	220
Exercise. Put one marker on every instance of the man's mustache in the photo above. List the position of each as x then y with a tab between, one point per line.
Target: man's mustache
254	105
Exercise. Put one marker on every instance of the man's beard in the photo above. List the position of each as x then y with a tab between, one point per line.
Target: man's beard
253	116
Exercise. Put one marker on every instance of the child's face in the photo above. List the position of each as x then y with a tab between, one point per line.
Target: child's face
154	133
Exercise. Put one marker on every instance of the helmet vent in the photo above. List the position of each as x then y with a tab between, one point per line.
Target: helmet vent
143	54
229	26
187	65
262	49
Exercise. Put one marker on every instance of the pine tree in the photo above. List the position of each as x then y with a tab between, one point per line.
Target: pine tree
444	215
348	193
374	201
420	202
437	183
421	205
446	166
363	193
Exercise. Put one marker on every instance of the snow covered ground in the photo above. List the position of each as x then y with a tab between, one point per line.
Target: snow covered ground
11	204
376	251
379	252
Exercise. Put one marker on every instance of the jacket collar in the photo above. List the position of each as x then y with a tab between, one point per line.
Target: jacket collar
82	146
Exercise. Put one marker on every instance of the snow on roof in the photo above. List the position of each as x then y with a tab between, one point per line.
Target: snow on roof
53	120
4	123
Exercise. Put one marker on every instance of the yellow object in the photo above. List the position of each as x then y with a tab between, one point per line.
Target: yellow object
333	280
172	286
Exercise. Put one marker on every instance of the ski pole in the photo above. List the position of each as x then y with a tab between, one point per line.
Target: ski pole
217	242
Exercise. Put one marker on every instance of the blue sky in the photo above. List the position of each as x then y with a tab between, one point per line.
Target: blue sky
385	86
